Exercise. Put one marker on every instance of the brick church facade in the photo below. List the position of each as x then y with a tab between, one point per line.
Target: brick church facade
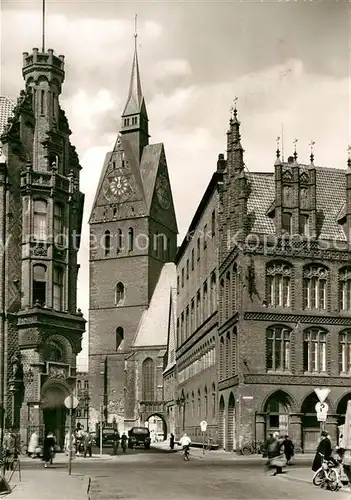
133	235
41	207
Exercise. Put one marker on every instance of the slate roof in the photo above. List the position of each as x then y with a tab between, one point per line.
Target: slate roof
135	96
172	334
148	169
154	323
6	110
331	198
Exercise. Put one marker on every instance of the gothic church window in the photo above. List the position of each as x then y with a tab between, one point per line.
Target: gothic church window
315	287
58	289
278	284
199	403
53	352
119	240
205	236
40	228
107	243
119	294
130	239
119	336
39	284
198	249
213	223
213	400
213	292
345	289
315	350
278	347
192	259
206	402
148	379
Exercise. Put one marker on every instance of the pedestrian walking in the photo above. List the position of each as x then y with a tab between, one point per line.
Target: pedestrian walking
288	449
49	449
275	454
323	451
10	448
87	443
171	441
115	439
33	445
124	440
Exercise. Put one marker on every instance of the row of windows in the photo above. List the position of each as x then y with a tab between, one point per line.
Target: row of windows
279	282
130	121
207	360
40	221
40	284
79	384
201	407
279	350
200	308
304	224
190	266
161	245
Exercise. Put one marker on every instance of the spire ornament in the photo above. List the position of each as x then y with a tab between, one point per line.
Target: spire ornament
312	143
295	152
349	157
278	147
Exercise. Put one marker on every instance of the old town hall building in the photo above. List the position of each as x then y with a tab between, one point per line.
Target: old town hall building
41	210
133	238
281	325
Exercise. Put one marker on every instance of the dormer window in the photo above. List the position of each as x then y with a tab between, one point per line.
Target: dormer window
286	223
304	227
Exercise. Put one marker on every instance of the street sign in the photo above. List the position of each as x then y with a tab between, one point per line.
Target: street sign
322	411
322	394
71	402
203	426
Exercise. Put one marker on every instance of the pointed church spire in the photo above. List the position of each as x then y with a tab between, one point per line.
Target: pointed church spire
135	95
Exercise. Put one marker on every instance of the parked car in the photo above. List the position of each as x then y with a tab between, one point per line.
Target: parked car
107	436
139	436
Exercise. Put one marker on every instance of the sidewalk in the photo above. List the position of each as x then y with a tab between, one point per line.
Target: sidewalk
48	484
61	458
303	475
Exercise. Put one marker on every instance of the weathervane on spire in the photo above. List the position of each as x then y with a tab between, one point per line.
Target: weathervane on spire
135	29
295	152
312	143
278	146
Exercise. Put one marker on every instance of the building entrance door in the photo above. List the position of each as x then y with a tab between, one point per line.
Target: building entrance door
54	412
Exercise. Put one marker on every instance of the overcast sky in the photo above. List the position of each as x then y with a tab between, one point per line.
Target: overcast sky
287	62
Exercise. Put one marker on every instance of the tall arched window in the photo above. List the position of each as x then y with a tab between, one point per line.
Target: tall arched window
228	295
107	243
119	240
58	289
119	294
221	359
278	348
213	400
205	301
234	284
148	379
315	279
40	228
345	351
315	350
345	289
119	336
227	355
278	284
39	284
59	224
213	292
199	403
193	404
130	239
234	351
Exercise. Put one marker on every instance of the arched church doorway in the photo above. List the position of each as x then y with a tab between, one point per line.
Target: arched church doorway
310	424
221	423
231	444
54	411
277	409
157	427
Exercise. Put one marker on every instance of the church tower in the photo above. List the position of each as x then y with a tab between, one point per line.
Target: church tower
133	233
41	207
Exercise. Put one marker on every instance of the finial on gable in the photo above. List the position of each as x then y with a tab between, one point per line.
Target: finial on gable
278	160
312	143
295	152
349	158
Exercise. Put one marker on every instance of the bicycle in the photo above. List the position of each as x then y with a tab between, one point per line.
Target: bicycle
252	447
328	475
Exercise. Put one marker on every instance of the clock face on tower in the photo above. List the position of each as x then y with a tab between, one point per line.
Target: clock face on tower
162	191
116	188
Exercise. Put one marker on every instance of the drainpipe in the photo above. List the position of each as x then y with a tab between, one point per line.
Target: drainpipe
3	179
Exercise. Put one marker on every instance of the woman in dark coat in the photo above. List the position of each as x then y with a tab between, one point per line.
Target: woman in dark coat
49	448
324	451
171	442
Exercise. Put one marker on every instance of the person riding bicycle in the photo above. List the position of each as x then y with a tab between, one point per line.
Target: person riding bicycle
185	442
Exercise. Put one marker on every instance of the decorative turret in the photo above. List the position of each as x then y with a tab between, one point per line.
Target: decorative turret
135	126
235	149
